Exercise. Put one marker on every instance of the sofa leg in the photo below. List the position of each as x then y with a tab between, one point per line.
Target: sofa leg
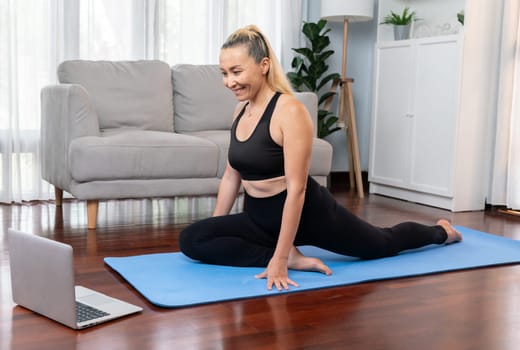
58	196
92	210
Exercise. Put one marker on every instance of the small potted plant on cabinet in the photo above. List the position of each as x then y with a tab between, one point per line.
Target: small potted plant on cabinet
401	22
460	17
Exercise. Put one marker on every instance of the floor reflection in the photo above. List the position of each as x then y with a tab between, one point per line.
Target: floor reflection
44	216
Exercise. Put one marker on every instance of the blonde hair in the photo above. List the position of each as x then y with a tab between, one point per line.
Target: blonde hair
258	48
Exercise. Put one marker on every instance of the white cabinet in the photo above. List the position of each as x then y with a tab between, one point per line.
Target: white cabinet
415	114
389	147
430	115
434	115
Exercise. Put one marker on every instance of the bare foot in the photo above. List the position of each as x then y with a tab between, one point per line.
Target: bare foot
453	234
298	261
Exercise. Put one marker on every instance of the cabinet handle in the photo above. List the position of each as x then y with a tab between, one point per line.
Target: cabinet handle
409	115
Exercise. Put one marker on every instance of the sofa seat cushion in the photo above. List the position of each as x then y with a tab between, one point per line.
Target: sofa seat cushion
321	160
141	154
219	138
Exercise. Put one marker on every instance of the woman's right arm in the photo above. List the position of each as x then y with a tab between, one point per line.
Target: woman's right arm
230	182
227	191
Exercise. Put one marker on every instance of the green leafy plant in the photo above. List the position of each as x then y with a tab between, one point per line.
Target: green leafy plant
309	70
460	17
406	17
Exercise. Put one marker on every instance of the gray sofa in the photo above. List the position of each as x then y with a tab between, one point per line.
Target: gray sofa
142	129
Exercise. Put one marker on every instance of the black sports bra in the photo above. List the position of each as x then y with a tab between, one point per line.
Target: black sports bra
258	157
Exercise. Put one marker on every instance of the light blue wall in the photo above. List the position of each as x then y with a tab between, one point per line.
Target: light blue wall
360	58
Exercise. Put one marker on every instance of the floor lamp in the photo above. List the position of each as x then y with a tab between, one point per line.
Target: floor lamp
348	11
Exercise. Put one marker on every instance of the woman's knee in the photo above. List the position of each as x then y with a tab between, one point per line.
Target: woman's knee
189	241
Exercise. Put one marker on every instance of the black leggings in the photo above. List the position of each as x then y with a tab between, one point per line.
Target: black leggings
249	238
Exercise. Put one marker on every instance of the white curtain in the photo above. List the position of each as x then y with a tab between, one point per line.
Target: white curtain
28	51
505	180
36	35
192	31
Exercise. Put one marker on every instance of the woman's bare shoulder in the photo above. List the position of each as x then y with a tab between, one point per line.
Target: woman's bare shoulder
290	107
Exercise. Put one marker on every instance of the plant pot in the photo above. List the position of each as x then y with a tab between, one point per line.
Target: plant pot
402	32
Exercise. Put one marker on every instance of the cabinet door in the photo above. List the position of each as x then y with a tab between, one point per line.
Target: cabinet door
434	116
390	154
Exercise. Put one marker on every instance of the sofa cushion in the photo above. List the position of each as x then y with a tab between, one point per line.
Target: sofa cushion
221	139
201	101
136	94
139	154
321	159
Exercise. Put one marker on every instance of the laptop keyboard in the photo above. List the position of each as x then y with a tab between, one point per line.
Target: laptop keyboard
87	313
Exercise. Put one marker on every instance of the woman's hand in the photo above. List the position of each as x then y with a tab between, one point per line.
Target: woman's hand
277	274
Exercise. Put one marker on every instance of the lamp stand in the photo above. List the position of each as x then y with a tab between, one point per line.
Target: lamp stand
347	112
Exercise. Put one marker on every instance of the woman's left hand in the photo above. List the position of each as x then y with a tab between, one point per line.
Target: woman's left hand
277	274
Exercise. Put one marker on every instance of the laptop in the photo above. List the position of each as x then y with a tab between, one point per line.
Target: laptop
42	280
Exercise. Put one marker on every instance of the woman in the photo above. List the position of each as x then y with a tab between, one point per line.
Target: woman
269	155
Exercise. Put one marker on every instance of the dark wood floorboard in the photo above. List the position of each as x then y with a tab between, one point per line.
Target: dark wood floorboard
475	309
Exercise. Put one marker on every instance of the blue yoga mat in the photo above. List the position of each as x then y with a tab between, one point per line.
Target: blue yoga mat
173	280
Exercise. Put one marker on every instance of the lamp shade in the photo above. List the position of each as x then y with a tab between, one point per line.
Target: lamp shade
353	10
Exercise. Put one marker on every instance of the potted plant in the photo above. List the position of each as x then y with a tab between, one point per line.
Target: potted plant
460	17
401	22
309	69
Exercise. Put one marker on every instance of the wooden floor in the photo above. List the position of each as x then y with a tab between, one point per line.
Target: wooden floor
476	309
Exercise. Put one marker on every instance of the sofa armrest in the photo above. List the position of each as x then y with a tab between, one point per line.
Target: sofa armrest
66	114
